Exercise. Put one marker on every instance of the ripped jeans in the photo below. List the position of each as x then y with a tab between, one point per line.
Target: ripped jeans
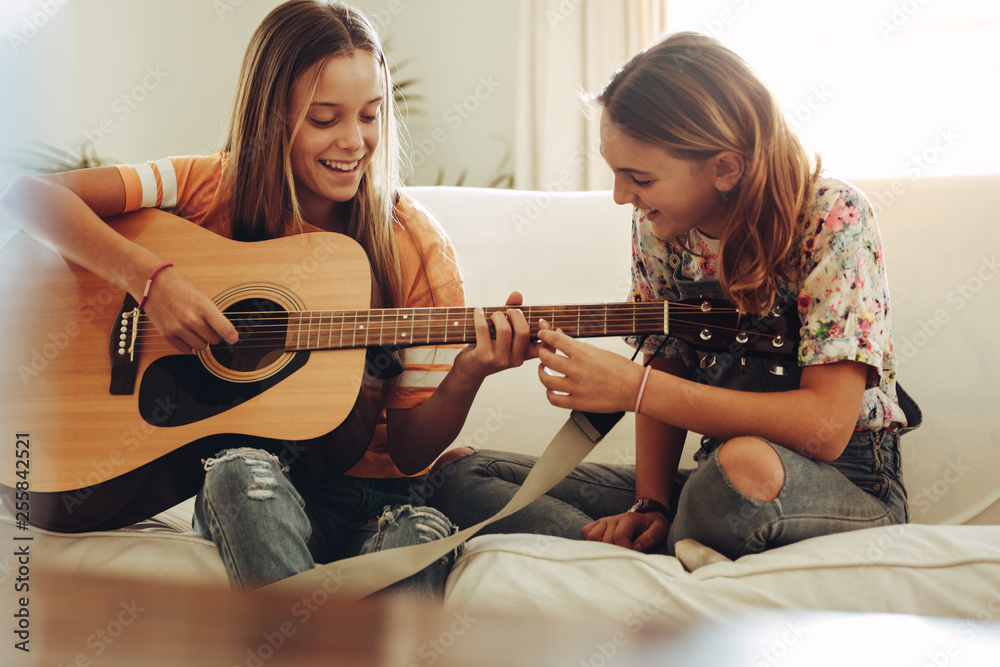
861	489
267	529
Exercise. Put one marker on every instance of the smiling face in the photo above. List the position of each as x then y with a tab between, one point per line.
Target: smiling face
675	195
341	130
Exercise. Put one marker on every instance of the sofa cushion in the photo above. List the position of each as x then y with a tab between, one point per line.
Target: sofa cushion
949	571
162	548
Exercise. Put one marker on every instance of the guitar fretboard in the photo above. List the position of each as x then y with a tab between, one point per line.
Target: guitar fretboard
343	329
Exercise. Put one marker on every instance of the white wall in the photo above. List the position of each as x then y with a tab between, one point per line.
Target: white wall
462	53
144	79
140	80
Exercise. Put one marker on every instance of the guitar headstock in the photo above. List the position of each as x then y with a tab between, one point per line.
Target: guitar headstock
713	324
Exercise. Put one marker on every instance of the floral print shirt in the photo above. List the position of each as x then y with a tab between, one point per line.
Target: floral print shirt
841	291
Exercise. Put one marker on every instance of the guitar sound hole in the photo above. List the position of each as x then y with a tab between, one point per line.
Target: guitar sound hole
262	325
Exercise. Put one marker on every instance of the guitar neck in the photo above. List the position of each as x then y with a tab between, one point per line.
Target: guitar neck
343	329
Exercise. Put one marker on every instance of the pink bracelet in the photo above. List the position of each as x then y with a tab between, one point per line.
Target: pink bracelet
642	387
149	283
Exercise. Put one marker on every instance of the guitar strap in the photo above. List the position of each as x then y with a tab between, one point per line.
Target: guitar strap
359	576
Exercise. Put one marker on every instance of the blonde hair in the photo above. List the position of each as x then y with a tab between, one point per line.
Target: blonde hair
258	188
691	96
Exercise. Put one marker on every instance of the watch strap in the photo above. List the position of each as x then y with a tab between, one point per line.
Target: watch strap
643	505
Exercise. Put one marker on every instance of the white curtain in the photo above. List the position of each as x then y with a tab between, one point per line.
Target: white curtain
568	49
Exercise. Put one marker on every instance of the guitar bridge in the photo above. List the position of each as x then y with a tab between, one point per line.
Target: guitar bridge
123	347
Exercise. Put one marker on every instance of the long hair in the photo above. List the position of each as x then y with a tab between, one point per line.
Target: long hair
258	190
691	96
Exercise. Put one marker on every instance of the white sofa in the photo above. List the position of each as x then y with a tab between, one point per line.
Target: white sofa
941	238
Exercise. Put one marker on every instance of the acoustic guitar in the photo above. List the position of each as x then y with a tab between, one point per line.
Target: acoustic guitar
105	424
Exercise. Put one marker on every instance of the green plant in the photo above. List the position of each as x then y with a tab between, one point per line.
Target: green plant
500	178
402	89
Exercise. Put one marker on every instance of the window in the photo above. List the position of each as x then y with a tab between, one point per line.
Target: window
897	88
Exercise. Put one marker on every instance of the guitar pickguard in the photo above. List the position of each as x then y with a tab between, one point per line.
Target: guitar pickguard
178	390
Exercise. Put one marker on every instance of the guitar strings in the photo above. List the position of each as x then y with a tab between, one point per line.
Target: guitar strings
653	306
375	319
617	326
274	331
553	312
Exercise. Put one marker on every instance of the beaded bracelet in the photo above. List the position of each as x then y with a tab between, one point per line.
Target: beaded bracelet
149	283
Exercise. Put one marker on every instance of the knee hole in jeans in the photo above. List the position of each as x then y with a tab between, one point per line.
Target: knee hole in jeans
429	523
753	467
224	469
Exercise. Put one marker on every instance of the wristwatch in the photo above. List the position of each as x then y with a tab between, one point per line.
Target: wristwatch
643	505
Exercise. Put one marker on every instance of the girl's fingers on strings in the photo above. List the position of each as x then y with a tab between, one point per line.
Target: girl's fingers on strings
521	336
518	322
210	334
481	326
502	327
186	342
542	326
501	346
557	340
223	328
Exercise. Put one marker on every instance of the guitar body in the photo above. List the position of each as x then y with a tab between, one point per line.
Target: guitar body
107	448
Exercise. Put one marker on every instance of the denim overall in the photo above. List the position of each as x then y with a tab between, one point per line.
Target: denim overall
817	497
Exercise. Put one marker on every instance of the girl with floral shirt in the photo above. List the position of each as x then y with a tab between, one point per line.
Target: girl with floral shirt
727	204
841	294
